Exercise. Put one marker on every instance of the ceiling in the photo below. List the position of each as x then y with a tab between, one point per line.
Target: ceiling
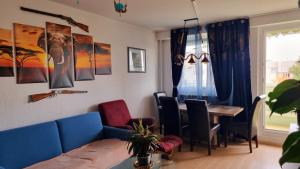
166	14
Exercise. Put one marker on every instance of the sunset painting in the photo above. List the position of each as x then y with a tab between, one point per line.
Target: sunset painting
102	58
31	58
60	56
84	57
6	53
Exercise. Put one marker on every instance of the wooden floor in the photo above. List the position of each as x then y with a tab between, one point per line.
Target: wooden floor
235	156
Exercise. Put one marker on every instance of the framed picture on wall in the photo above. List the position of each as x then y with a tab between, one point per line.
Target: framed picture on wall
136	60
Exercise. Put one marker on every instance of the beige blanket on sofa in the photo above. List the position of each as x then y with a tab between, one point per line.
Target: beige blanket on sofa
102	154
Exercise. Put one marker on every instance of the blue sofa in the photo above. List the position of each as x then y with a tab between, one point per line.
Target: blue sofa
23	147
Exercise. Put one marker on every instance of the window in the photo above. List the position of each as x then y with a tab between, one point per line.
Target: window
197	79
282	56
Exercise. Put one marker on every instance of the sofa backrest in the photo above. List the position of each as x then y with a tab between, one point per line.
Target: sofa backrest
79	130
25	146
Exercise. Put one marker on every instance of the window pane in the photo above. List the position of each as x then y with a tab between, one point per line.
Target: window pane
282	55
197	79
204	75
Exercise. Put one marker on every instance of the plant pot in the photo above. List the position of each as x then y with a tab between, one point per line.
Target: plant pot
144	160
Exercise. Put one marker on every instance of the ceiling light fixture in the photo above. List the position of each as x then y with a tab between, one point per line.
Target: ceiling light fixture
120	7
179	60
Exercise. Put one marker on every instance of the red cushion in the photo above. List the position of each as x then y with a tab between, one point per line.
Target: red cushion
169	142
115	113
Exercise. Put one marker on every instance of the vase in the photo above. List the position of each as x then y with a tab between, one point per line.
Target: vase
144	160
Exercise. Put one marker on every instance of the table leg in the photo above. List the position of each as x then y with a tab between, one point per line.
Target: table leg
214	120
226	124
226	133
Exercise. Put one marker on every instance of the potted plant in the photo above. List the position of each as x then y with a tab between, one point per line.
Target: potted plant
142	143
283	99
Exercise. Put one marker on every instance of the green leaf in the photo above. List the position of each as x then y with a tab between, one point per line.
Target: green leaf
282	87
279	93
291	149
290	140
287	101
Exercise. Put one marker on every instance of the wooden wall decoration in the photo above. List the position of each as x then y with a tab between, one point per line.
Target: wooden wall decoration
60	56
84	57
31	58
102	58
6	53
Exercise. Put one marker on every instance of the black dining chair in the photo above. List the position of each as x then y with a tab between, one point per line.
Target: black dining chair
248	129
171	116
158	105
201	128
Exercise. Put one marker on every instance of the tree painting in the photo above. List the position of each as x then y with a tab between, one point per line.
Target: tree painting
102	58
6	53
84	57
31	58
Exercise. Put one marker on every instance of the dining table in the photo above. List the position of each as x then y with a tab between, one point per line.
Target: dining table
218	111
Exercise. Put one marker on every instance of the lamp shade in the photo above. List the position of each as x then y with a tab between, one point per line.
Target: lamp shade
205	59
191	60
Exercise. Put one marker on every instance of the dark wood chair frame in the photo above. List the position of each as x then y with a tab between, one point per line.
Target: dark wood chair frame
201	127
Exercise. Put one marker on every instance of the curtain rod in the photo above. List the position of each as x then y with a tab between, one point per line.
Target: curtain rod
191	19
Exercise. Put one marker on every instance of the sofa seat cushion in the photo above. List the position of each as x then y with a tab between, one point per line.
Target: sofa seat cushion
102	154
61	162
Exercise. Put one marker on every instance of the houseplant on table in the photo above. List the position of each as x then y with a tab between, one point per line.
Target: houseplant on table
283	99
142	143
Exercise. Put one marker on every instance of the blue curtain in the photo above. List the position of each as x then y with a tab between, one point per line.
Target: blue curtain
242	95
178	43
229	51
197	80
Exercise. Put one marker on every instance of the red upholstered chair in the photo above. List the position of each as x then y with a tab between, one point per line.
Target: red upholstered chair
116	114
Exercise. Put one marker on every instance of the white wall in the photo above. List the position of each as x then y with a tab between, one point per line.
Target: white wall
136	89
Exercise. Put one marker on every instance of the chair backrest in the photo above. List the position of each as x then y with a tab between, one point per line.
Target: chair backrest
199	119
114	113
256	107
157	95
171	115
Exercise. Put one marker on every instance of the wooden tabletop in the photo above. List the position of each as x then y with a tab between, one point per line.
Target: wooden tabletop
218	110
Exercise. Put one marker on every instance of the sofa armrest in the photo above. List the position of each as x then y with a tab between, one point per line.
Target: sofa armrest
126	127
112	132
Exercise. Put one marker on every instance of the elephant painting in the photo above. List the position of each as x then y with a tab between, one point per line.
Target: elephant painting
60	58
